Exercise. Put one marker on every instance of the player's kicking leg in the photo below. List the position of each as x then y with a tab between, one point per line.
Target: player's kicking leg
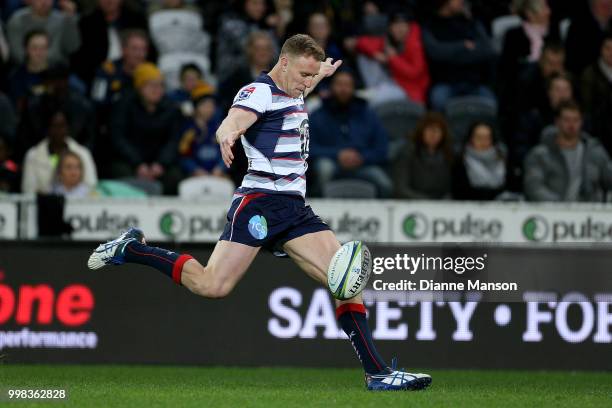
313	253
226	266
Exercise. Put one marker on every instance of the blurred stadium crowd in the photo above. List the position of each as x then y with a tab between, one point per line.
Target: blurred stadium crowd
436	99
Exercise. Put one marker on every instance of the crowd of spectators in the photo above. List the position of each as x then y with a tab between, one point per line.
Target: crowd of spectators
508	98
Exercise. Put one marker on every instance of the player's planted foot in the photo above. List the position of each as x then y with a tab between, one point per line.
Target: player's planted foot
112	252
393	380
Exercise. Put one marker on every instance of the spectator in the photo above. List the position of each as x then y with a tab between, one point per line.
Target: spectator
56	94
348	140
531	87
61	27
143	129
191	77
523	46
199	152
586	33
4	57
260	55
9	171
459	52
26	79
69	177
114	77
234	33
8	120
532	122
41	160
596	91
480	172
100	32
395	66
319	29
571	166
423	168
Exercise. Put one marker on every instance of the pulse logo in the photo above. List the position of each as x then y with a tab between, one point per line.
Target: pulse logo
258	226
172	224
415	225
535	229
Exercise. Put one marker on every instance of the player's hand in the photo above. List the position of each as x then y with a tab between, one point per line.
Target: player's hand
226	143
327	68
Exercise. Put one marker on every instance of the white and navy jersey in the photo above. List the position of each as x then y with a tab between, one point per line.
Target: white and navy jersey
276	145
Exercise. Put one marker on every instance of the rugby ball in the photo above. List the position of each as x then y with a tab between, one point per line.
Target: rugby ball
349	270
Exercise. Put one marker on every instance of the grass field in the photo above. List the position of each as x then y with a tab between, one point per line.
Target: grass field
162	386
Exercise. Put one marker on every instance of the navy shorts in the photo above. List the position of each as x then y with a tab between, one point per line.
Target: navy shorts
270	220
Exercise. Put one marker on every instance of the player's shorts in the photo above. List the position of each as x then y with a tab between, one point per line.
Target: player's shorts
270	220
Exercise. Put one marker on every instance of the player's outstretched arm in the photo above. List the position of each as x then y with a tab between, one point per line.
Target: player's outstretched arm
327	69
233	126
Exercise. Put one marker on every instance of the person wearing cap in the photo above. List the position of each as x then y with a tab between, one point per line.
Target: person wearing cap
143	128
199	152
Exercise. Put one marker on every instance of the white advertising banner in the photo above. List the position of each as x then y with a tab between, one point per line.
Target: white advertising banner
8	220
160	219
501	222
167	219
366	220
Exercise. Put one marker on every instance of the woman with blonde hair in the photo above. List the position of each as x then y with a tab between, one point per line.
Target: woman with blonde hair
69	177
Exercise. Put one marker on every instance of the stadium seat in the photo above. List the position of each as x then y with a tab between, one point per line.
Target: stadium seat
399	118
500	26
179	31
349	188
205	187
462	111
151	187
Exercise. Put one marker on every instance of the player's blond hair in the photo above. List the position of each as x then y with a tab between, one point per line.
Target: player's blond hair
302	45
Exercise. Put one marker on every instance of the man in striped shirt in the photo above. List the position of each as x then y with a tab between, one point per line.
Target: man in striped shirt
268	210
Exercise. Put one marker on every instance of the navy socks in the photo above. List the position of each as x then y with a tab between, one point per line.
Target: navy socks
167	262
352	318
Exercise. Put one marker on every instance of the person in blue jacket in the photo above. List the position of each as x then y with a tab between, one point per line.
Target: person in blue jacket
347	138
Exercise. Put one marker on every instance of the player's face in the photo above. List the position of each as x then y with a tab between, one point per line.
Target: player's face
301	72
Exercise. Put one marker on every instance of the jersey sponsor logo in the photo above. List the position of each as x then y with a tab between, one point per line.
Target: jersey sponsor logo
245	93
258	226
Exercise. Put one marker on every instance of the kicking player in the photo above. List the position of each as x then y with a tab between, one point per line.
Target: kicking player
268	210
